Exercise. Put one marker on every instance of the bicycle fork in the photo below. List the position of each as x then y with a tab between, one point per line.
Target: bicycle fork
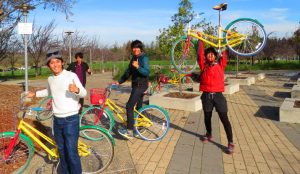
11	145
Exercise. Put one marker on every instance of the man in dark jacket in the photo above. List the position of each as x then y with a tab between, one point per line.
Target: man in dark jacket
80	68
212	85
138	69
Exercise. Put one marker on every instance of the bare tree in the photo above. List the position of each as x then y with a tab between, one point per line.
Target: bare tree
78	42
8	12
40	39
10	15
14	47
296	40
5	35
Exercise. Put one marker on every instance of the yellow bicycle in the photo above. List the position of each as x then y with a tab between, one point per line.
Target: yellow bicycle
95	147
151	122
243	36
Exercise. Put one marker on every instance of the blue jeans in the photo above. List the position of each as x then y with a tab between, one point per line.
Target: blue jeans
66	133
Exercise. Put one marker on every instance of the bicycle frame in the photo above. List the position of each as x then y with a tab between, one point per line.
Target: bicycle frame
238	38
30	132
119	111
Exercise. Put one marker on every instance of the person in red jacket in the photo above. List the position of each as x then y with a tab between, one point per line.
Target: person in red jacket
212	86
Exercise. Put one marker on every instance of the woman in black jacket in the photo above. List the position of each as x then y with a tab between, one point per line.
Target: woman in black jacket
138	69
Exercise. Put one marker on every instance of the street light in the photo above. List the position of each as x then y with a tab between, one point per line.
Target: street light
70	43
24	8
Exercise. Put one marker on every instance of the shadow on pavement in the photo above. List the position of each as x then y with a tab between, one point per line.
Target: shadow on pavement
269	112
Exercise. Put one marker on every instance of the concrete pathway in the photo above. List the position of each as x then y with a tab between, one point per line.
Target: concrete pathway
263	145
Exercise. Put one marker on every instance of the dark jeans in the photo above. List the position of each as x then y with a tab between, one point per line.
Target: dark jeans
66	133
136	97
217	100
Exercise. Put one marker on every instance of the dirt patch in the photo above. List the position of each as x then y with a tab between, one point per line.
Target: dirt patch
10	101
181	95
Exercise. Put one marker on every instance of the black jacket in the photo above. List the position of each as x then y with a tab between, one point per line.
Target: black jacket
140	76
85	67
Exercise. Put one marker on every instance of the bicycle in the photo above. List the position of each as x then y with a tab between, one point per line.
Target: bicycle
95	146
151	122
174	80
243	36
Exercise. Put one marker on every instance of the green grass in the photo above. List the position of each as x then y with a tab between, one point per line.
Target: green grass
165	68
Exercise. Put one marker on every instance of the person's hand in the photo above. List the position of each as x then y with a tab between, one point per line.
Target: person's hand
73	88
199	34
89	71
30	94
135	64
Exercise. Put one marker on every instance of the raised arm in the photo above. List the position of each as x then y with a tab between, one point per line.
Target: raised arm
200	55
223	59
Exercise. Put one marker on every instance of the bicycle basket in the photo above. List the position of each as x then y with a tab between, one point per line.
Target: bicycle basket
97	96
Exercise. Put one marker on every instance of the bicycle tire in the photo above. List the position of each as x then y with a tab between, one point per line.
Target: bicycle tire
158	126
90	114
47	112
184	61
21	155
187	82
250	45
98	150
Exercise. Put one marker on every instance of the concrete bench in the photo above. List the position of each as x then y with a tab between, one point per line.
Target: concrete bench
298	81
288	113
241	80
261	76
295	92
192	105
231	88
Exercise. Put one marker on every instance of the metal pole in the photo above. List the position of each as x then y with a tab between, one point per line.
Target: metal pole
26	55
25	9
70	45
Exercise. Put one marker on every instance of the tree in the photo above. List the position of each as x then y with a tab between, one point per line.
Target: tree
14	46
40	39
168	35
296	41
10	16
5	36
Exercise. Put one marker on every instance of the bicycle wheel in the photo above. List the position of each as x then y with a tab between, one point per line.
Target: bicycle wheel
245	36
184	56
90	116
21	155
187	83
96	150
154	124
47	112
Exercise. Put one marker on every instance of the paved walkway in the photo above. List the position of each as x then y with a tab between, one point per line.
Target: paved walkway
263	145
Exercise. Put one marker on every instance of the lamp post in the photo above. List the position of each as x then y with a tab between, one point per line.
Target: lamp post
24	8
69	33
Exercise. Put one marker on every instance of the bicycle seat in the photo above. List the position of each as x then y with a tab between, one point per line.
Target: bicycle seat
221	7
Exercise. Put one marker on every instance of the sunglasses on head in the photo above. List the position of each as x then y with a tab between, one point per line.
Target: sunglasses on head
53	54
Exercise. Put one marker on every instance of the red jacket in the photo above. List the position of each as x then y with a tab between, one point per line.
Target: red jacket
212	76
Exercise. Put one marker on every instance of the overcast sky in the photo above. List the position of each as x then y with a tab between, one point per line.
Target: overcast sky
117	21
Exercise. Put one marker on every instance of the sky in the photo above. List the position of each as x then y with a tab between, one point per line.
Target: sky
118	21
